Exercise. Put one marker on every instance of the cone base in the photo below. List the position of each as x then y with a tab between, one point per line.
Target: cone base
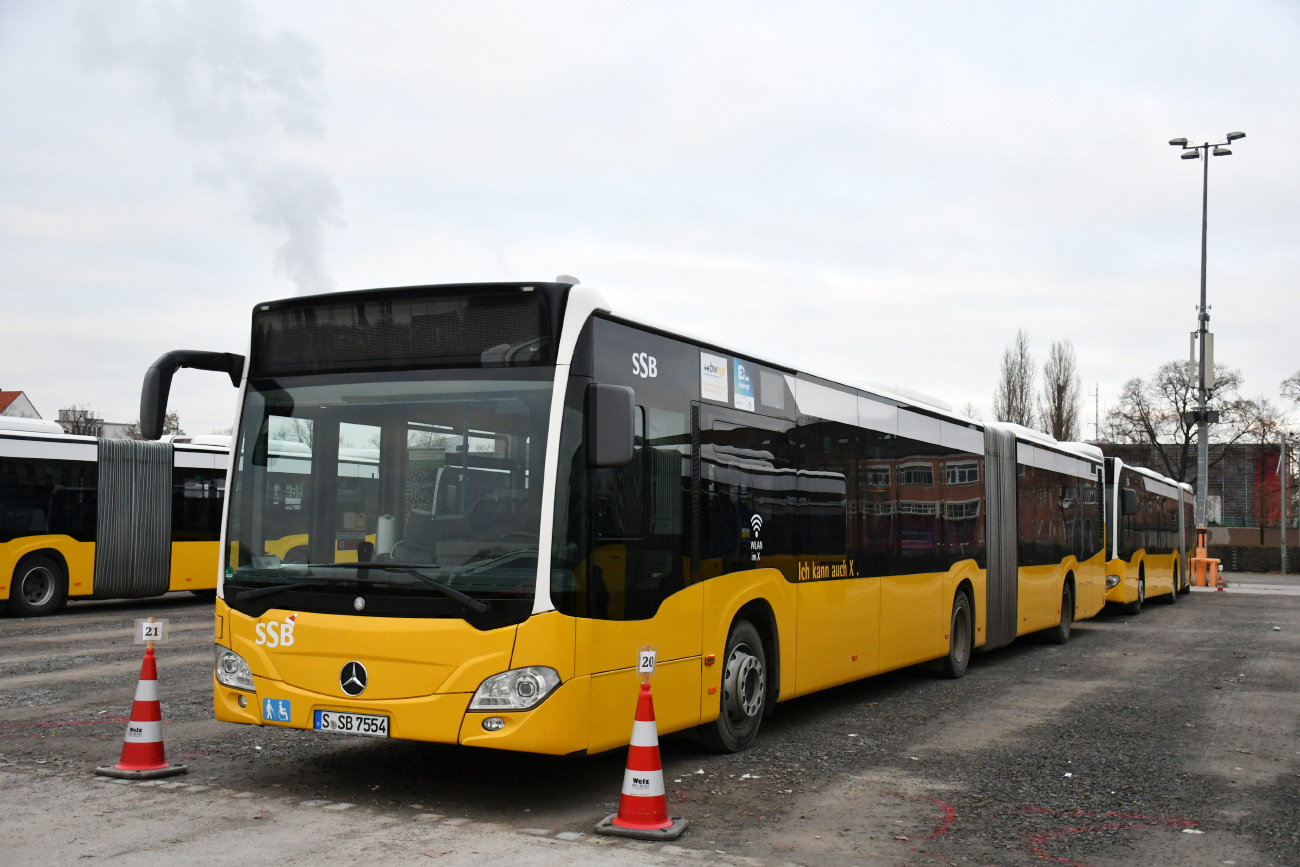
672	832
150	774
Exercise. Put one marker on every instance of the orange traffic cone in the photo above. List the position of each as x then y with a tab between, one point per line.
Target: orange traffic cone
643	807
142	750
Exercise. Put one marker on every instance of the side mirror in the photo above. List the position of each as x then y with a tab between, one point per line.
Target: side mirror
1128	502
158	382
611	425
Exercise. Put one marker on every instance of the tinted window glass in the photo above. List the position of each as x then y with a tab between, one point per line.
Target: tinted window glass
1059	515
748	493
622	535
40	497
197	495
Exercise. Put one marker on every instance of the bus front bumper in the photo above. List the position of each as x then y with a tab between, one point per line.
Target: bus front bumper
1124	592
557	726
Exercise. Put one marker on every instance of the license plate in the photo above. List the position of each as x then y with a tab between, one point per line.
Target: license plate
370	725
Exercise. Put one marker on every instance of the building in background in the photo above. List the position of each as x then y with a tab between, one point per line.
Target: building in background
1243	501
16	404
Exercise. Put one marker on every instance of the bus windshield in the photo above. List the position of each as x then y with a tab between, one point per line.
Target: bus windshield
434	476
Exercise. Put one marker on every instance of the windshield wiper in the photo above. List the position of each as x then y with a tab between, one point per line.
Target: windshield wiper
316	581
475	605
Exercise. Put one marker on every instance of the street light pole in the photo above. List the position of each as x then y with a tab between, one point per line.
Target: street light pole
1202	397
1205	377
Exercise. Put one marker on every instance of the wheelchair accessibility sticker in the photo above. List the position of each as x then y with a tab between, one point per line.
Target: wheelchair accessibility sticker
277	710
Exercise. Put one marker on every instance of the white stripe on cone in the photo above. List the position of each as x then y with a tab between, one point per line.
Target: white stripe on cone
644	734
643	784
151	733
146	690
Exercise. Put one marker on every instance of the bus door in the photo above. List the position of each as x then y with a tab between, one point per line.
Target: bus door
637	592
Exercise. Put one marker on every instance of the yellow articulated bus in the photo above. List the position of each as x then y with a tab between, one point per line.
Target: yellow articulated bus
103	518
547	487
1149	536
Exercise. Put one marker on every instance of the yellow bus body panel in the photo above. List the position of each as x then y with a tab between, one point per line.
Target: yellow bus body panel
1089	586
838	632
194	565
548	639
912	619
405	657
423	671
557	727
79	557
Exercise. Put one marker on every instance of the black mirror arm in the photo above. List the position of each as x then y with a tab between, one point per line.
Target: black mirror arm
158	382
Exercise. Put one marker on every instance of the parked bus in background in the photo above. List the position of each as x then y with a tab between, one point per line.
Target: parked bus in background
1150	532
103	518
549	487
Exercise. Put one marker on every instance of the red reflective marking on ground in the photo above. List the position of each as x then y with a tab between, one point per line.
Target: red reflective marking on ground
1038	843
949	816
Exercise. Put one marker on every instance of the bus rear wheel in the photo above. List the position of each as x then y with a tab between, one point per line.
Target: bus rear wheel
1061	634
960	637
743	694
1175	589
39	587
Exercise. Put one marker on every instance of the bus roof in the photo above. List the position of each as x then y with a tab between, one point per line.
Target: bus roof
29	425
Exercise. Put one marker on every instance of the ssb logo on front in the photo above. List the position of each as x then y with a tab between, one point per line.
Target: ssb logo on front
644	366
275	633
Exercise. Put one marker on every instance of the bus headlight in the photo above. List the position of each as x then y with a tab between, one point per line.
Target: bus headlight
518	689
232	670
1112	581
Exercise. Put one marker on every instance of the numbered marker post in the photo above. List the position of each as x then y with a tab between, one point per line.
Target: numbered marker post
149	631
645	662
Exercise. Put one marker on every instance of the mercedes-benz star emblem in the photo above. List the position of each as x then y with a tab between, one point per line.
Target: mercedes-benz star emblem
353	678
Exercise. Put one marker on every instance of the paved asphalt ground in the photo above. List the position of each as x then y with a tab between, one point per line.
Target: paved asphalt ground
1172	737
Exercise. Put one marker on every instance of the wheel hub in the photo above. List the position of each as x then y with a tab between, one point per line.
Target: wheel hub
38	586
744	685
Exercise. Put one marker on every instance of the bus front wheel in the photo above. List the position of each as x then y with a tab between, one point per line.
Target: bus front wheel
960	637
743	694
1061	634
39	587
1135	606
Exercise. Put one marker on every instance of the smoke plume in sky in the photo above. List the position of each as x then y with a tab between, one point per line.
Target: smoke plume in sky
246	98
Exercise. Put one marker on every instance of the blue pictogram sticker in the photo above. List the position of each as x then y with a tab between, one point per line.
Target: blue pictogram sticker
744	385
277	710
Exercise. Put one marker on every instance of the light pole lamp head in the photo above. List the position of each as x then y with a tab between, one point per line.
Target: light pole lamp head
1191	155
1181	142
1222	152
1233	136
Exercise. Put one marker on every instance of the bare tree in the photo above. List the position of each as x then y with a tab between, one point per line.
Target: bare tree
1014	399
1157	412
1060	403
80	420
171	425
971	411
1291	387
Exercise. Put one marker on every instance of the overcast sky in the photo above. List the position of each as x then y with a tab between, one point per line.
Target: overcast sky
864	190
